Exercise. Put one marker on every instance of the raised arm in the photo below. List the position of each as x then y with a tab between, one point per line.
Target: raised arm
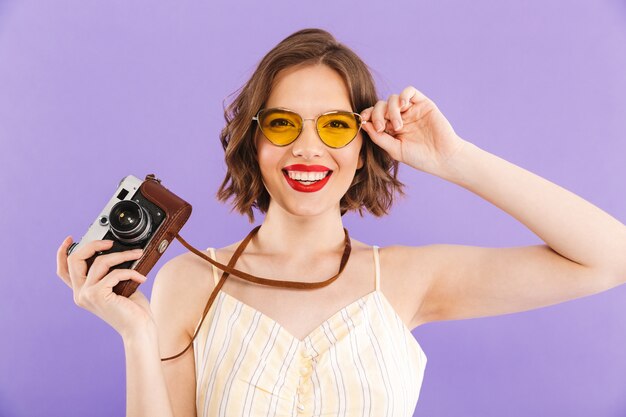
585	251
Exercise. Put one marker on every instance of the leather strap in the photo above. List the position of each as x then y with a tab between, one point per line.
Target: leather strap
251	278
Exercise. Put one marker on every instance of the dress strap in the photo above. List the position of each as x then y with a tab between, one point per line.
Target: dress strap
230	268
377	267
214	257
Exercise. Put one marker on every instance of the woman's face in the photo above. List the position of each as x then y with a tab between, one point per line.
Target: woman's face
309	91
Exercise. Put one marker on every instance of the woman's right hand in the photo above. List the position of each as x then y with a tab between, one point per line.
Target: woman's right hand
93	287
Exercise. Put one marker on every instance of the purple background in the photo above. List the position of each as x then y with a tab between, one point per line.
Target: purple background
92	91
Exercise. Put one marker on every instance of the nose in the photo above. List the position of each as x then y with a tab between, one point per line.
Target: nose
308	144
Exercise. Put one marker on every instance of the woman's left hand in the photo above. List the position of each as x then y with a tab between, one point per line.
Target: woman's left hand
424	139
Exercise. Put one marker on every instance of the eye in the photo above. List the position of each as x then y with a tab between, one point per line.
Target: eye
278	122
337	124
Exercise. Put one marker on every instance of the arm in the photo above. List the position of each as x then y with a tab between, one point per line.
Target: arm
586	247
179	294
146	388
147	379
570	225
156	388
585	251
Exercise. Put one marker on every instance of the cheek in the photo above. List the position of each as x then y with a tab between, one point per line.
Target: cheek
353	157
267	158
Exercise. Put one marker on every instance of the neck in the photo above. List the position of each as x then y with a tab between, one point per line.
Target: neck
283	233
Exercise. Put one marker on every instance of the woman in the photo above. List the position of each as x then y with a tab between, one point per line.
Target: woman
345	348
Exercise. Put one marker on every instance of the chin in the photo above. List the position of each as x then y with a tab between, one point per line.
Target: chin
307	210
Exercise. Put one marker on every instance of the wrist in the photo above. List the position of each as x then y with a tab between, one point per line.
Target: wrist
142	336
456	167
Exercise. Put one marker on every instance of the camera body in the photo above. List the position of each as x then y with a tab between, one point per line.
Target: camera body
140	215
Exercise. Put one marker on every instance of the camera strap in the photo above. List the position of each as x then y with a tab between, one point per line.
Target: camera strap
251	278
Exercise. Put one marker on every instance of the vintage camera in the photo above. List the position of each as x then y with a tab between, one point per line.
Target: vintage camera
140	215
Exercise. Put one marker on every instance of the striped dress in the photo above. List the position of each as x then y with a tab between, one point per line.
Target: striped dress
362	361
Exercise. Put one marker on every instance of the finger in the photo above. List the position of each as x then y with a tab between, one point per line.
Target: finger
116	276
415	96
393	111
423	104
405	97
366	114
378	115
103	264
62	271
384	140
89	249
95	295
77	264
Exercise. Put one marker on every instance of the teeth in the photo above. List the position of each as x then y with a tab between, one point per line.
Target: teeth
307	176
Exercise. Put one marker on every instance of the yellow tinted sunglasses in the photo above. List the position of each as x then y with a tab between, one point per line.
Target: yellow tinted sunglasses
335	128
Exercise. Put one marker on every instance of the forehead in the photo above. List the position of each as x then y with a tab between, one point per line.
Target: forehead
309	90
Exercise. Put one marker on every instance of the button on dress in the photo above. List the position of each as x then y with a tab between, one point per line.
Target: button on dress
361	361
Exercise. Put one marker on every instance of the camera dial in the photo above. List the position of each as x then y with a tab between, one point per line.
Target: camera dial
129	222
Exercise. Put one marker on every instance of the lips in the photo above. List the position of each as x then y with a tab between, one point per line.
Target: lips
306	168
306	188
298	186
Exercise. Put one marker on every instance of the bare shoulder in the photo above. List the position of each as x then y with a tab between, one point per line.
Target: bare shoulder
177	304
408	264
406	275
181	287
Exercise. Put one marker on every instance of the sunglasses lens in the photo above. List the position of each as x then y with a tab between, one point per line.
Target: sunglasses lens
337	129
279	126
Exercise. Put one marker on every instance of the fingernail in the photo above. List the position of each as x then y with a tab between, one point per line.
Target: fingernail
397	124
138	251
402	103
379	126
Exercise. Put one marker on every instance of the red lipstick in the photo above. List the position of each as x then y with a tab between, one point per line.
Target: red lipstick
298	186
306	188
307	168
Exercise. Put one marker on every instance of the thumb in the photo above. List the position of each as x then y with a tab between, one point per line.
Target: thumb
384	140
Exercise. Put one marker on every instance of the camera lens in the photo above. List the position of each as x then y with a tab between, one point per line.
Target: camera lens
130	222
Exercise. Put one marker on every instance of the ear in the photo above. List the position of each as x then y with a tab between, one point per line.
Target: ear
361	161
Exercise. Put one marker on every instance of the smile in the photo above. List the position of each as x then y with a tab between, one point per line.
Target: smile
307	180
307	176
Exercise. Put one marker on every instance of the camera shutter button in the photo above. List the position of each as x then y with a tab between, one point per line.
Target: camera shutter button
163	245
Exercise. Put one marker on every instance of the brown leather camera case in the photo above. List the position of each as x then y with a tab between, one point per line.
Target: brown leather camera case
177	212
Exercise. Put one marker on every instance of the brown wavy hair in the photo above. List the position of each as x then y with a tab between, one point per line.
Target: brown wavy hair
374	185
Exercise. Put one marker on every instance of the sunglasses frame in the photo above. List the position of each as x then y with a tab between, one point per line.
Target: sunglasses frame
358	117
